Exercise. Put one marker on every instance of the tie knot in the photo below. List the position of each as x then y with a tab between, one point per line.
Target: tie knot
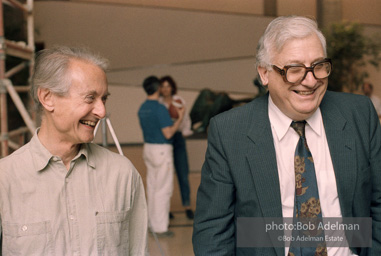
299	127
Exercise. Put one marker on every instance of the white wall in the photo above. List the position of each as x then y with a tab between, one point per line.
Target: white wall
134	36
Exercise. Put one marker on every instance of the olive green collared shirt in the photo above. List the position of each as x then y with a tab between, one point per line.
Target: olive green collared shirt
97	207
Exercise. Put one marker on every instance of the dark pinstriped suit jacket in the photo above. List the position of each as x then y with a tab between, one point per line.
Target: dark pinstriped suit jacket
240	177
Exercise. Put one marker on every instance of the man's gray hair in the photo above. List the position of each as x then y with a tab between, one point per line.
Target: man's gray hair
280	31
51	69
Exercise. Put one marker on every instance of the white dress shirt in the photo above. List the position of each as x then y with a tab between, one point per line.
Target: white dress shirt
376	103
285	141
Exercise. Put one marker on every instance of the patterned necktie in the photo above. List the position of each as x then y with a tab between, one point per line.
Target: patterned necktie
307	203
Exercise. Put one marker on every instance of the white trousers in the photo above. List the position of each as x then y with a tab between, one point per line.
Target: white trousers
159	162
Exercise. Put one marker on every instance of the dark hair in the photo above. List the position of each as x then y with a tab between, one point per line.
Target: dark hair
171	82
151	84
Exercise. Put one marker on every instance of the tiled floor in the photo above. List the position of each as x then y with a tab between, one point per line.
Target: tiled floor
181	243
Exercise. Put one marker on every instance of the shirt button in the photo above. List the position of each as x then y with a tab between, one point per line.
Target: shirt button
24	228
76	254
71	217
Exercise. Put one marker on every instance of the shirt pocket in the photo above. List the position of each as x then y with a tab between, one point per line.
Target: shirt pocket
112	233
27	239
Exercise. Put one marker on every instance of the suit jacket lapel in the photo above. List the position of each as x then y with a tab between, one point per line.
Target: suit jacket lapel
342	149
262	161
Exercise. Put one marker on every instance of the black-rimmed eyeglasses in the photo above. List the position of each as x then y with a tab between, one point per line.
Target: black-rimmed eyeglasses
295	73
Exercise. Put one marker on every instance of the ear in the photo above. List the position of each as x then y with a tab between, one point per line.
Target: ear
263	73
45	96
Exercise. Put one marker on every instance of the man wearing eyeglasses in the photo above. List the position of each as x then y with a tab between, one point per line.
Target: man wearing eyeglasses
299	151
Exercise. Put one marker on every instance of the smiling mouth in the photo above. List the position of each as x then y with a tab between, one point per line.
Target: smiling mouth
88	123
304	92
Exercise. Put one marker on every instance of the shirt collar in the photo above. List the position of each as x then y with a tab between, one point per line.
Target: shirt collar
315	122
86	152
42	156
281	123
